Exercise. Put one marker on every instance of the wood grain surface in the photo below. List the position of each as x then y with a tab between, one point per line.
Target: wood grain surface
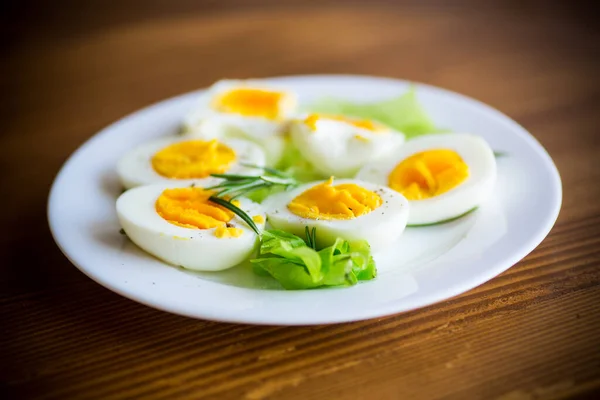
69	69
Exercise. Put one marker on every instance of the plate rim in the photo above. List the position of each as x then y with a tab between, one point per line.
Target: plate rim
487	274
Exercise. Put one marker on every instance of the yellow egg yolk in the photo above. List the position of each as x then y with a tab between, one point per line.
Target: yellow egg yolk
325	201
193	159
190	208
311	122
428	174
250	103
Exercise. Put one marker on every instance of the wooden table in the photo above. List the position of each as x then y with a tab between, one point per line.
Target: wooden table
531	333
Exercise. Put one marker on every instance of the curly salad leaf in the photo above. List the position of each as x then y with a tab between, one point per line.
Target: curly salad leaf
294	166
403	113
297	265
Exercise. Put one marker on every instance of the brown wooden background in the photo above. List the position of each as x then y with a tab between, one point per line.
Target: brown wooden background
68	69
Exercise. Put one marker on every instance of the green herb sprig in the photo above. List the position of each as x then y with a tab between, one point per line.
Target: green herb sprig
234	186
236	210
311	237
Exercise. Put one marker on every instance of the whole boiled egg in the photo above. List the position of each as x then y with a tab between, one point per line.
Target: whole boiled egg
181	226
340	146
443	176
187	160
347	208
249	109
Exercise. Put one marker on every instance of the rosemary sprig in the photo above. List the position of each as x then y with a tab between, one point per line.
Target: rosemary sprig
236	210
311	237
235	185
272	171
239	185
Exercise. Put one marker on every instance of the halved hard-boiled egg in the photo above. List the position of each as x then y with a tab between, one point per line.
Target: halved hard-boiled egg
340	146
347	209
443	176
182	227
187	160
251	109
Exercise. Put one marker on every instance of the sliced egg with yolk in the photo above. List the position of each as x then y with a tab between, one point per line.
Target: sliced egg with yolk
249	109
443	176
340	146
347	208
180	226
187	160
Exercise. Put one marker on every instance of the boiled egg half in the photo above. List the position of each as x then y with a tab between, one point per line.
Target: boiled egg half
340	146
443	176
182	227
248	109
347	208
187	160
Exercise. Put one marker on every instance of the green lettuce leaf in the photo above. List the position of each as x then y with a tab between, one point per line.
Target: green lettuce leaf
290	275
261	194
362	260
293	164
403	113
288	259
336	265
292	248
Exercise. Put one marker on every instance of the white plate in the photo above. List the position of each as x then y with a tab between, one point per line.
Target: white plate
428	264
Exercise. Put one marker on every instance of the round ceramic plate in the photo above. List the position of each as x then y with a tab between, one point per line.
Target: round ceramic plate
427	265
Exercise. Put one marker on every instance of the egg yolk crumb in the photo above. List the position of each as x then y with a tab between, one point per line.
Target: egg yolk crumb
312	119
259	219
225	232
250	103
193	159
428	174
190	208
325	201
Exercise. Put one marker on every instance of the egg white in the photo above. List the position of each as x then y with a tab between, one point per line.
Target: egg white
206	122
381	227
469	194
196	249
339	148
135	167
